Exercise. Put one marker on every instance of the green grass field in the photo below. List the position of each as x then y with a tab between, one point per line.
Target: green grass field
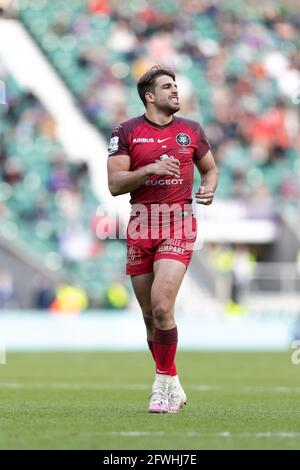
99	400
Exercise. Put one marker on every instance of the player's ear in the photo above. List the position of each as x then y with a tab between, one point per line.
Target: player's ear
149	97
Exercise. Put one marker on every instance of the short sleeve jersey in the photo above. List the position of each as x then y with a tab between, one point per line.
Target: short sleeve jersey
145	142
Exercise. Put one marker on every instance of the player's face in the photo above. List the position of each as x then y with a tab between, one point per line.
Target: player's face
165	96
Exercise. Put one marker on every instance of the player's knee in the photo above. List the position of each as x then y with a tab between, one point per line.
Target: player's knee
162	312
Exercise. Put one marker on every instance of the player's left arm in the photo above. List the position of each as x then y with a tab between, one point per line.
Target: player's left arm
209	179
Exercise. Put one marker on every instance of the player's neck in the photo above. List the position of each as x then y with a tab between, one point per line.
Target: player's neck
158	118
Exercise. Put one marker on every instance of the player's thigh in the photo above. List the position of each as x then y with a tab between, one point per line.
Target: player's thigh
168	276
142	285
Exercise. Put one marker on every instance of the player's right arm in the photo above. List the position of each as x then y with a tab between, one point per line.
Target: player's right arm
121	180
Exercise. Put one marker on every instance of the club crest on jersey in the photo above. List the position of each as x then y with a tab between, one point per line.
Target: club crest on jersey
183	139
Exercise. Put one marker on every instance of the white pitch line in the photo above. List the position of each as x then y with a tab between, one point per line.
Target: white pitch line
207	388
247	435
271	389
220	388
75	386
117	386
137	433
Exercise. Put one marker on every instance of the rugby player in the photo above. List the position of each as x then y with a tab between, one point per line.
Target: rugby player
152	156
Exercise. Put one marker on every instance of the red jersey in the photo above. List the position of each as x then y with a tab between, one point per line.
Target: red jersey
145	142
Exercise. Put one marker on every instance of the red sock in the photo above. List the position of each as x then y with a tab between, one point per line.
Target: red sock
173	370
150	344
164	350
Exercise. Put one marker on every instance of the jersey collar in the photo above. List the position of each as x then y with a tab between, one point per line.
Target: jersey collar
157	125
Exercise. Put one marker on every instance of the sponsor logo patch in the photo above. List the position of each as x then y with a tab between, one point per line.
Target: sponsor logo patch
113	145
133	255
166	157
143	140
164	182
173	246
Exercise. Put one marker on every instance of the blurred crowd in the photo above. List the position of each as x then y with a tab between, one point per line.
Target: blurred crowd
46	202
237	69
38	185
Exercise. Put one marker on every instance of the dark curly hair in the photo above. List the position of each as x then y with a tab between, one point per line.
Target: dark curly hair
147	81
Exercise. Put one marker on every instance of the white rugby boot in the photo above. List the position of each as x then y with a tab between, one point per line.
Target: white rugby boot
159	396
176	395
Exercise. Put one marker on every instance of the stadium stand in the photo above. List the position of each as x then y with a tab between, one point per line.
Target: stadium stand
46	201
226	58
238	71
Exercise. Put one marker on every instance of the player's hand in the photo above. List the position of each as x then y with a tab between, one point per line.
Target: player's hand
168	167
204	196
